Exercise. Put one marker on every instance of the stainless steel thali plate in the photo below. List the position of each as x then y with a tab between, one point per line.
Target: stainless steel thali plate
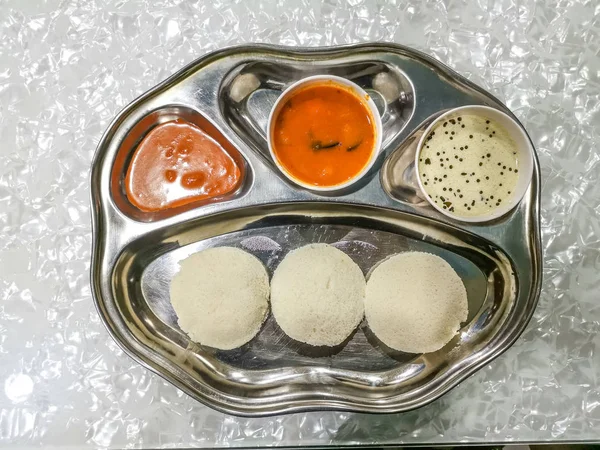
135	254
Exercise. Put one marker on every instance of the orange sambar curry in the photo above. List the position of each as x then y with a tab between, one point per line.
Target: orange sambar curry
178	163
324	135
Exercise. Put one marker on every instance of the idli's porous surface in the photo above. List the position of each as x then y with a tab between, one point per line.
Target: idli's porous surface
221	297
415	302
317	295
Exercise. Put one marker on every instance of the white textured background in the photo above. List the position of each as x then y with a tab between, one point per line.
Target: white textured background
67	67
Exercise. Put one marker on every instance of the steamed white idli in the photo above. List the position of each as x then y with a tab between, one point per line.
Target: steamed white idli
221	297
317	295
415	302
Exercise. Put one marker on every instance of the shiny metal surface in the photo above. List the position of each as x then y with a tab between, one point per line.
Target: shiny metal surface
134	255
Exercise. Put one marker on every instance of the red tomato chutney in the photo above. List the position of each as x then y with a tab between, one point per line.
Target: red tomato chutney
324	134
178	163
